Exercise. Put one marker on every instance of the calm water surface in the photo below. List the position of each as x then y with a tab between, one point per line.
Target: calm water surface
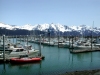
57	61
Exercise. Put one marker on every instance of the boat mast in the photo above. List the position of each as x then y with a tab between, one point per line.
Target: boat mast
40	46
4	48
92	35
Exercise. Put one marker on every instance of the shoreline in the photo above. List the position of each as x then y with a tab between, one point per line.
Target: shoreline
85	72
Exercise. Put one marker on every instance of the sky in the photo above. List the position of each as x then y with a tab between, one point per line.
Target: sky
66	12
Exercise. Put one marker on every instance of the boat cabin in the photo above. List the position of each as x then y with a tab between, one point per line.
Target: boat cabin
18	49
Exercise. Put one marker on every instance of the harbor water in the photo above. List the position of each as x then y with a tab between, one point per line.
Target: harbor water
57	61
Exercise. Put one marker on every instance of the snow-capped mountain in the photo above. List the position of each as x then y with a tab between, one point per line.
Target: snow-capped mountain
41	27
53	27
7	26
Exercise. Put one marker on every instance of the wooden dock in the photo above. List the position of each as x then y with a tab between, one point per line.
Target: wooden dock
84	50
6	59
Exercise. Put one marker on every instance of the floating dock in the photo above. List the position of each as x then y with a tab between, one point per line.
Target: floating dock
6	60
84	50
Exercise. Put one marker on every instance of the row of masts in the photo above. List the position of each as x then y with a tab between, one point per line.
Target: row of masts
53	41
58	40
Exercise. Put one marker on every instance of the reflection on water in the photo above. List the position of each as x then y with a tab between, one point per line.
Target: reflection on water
21	66
57	61
3	71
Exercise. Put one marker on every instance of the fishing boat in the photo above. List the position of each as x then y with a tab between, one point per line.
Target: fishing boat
16	52
25	60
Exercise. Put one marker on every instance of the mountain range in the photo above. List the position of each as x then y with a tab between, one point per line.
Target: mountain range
49	28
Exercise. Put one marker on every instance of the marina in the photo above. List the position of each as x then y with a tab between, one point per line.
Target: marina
49	37
57	60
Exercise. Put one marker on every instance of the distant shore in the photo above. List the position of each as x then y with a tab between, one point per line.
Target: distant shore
85	72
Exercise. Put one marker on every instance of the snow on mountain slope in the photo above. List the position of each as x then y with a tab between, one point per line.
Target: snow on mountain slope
7	26
52	27
41	27
81	27
27	27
